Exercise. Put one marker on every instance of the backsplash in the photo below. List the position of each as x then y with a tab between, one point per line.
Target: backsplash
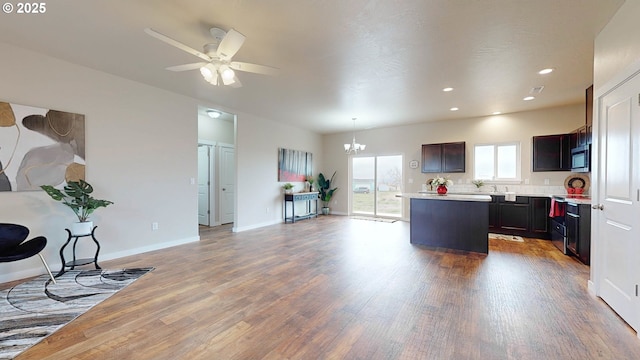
518	189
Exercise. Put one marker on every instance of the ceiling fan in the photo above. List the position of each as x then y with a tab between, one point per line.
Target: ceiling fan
217	56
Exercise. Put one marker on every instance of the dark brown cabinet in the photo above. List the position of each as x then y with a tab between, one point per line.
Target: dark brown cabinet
514	215
540	207
527	216
578	224
552	152
443	158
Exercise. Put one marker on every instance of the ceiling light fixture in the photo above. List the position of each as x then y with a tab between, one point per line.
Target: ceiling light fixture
354	147
545	71
454	109
528	98
447	89
210	73
213	114
496	113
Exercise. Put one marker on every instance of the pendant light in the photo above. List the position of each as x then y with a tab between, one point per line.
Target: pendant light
354	147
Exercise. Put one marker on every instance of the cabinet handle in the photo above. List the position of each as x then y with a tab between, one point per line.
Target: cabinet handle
597	207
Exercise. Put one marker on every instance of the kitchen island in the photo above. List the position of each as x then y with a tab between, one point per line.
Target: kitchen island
452	221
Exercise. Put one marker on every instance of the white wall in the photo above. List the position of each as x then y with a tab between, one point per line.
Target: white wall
260	200
617	46
407	140
215	130
140	154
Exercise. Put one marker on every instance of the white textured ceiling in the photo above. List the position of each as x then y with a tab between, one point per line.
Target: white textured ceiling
382	61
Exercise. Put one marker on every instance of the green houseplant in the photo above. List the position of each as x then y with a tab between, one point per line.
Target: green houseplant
325	190
288	188
77	196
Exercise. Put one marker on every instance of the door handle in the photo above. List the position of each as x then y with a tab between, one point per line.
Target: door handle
597	207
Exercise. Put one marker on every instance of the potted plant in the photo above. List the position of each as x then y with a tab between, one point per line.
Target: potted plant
288	188
310	183
478	183
77	196
326	192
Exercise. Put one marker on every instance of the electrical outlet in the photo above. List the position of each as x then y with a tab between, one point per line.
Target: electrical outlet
267	211
546	181
154	226
192	181
526	181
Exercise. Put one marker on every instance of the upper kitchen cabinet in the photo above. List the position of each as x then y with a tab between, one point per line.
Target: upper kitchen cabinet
552	153
443	158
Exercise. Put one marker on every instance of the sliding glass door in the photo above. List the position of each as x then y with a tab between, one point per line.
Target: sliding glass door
375	181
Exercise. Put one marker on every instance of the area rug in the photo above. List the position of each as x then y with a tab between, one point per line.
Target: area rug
506	237
33	310
374	219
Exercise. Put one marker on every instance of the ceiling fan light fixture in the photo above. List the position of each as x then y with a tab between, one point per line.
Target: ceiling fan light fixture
227	73
208	72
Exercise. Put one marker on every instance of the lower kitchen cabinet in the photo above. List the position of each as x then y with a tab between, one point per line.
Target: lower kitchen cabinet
540	215
578	223
527	216
514	215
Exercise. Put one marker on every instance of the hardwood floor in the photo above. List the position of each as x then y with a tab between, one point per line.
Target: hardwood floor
340	288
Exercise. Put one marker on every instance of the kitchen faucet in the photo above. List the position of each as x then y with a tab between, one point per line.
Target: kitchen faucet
495	188
506	189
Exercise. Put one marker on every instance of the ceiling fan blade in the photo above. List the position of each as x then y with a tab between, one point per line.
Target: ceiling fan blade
177	44
254	68
230	45
186	67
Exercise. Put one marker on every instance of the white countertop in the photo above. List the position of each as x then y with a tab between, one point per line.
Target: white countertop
455	197
571	198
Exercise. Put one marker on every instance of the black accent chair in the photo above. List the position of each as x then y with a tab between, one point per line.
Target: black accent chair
13	246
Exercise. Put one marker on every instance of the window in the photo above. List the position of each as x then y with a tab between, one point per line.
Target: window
497	162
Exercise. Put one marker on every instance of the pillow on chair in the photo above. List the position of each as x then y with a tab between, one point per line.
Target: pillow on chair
12	235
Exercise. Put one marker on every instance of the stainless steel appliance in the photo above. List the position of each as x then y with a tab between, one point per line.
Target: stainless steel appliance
581	159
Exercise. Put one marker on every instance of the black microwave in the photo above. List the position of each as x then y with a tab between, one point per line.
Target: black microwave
581	159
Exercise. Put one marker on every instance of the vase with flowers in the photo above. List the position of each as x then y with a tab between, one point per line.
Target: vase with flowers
441	183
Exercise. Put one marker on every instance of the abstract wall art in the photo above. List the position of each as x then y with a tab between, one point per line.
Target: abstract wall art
294	165
39	147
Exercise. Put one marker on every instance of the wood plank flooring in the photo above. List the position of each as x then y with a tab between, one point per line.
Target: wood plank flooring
341	288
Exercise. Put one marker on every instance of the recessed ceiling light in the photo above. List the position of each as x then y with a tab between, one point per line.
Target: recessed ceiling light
528	98
454	109
447	89
496	113
545	71
213	114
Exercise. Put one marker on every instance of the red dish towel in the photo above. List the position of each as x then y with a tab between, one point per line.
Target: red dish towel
557	209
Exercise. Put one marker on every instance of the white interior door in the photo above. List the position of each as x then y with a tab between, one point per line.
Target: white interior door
227	184
203	184
617	202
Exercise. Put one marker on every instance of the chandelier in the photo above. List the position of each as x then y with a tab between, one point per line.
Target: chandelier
354	147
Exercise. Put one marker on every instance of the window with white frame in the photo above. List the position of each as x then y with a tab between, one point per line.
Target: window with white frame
497	162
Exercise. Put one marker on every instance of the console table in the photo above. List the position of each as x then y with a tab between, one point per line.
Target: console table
308	198
78	262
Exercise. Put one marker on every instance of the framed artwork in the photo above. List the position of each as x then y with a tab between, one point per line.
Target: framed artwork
294	165
39	147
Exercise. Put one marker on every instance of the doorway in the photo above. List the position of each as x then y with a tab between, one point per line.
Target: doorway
216	167
375	182
618	191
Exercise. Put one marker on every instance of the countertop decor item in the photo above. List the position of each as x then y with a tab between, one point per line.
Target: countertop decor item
578	182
